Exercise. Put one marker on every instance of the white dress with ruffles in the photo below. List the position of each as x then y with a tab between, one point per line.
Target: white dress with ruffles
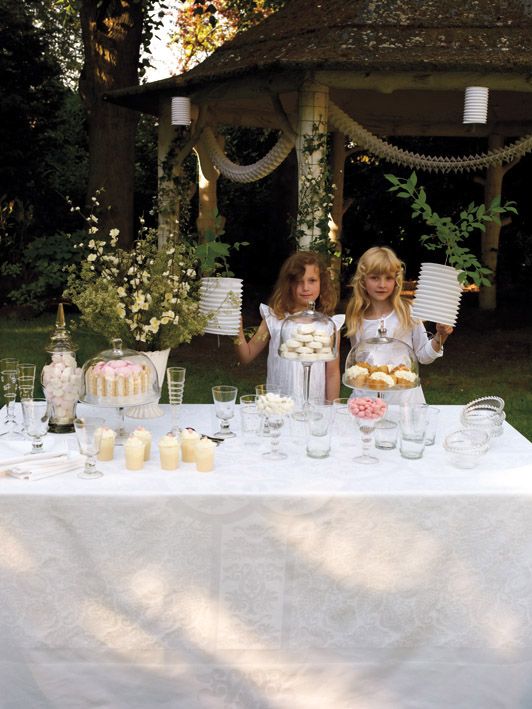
415	337
285	374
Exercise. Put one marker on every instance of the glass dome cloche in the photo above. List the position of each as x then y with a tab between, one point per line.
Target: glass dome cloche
381	364
308	337
120	378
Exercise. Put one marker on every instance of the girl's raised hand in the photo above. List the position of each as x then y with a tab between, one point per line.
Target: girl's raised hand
443	331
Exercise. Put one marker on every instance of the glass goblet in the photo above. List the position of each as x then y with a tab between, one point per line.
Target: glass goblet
275	424
367	412
36	413
175	378
224	398
89	439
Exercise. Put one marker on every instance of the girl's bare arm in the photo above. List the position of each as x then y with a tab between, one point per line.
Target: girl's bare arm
247	351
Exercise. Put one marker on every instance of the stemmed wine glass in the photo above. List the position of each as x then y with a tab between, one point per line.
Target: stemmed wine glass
9	375
224	398
88	433
37	414
367	412
275	408
175	378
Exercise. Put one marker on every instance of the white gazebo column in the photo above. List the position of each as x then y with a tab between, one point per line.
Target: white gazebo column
311	148
208	220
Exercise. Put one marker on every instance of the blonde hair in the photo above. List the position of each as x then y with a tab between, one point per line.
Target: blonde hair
283	300
379	260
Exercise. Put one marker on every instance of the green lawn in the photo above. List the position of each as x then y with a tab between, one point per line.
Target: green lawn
489	353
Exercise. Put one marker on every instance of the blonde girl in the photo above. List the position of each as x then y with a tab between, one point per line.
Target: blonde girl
376	302
303	278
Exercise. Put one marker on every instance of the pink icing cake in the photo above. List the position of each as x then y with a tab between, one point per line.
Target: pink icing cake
118	382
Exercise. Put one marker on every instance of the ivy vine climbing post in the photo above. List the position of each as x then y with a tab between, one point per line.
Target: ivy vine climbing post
175	187
311	146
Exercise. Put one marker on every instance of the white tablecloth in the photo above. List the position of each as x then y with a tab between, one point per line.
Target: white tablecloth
292	585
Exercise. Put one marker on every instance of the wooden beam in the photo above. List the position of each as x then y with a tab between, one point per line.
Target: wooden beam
387	82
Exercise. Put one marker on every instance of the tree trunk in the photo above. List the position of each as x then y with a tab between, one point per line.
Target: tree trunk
337	210
490	238
112	33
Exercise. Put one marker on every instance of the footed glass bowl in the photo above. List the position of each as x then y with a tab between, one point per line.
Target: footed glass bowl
465	447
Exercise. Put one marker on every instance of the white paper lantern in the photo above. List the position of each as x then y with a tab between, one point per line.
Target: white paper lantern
476	104
181	111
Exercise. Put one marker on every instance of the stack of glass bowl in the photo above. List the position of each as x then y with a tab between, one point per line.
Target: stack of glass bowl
484	414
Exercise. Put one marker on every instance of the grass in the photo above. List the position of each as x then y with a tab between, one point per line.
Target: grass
489	353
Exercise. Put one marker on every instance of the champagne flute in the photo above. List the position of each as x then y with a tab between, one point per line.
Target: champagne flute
26	379
175	379
224	398
8	374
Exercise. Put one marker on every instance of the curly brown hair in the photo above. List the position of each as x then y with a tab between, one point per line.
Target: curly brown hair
282	300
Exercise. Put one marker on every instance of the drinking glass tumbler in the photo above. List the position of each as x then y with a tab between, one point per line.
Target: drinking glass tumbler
413	420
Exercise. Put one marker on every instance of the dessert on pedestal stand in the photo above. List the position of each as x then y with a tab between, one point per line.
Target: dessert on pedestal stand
378	365
308	337
119	378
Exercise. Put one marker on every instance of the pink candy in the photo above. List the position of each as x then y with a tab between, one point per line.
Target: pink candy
117	367
366	408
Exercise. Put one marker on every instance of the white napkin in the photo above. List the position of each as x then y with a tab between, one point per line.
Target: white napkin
46	468
29	457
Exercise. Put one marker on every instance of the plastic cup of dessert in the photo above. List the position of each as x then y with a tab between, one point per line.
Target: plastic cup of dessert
145	437
189	440
107	443
169	450
465	447
204	455
134	452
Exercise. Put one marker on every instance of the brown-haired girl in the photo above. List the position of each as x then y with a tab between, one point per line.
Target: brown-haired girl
303	278
376	301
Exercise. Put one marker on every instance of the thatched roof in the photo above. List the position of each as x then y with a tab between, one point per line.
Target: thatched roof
380	46
381	35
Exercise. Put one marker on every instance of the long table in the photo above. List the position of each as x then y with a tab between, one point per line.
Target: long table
289	585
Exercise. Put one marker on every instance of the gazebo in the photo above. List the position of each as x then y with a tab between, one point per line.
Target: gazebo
367	71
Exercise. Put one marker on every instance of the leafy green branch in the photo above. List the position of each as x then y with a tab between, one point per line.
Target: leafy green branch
449	234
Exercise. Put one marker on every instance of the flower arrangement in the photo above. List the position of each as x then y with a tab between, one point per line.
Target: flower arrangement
147	297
